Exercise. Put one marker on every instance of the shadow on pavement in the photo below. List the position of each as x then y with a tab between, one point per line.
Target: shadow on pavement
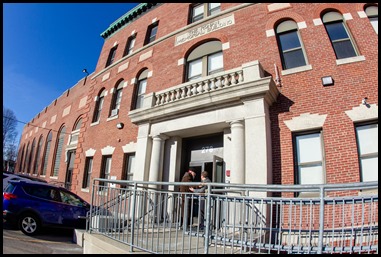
47	234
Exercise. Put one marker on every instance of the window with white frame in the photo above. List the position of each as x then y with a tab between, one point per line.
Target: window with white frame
309	158
140	90
46	153
151	33
116	99
339	35
75	133
111	56
26	160
37	158
87	173
372	13
290	46
98	106
58	152
31	156
130	45
367	145
105	170
202	10
128	166
205	60
21	154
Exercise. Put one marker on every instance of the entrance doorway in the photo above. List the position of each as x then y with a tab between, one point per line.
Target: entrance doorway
204	153
214	168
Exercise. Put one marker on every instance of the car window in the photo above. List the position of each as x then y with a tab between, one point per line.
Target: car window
9	188
41	192
71	199
54	195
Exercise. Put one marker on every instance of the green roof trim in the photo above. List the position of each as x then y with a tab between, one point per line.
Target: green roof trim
127	18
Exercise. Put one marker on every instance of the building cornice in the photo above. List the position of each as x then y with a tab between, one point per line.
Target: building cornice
127	18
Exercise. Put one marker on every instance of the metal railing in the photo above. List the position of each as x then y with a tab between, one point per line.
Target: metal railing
331	218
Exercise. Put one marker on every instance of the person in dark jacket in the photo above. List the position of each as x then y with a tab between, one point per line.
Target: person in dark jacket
202	190
188	177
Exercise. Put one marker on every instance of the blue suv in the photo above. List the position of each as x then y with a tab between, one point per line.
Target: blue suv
32	205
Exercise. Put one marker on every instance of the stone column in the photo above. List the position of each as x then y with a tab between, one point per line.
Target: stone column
155	172
156	158
237	174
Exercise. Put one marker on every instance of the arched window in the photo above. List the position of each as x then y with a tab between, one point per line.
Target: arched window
37	157
20	168
372	13
58	151
98	106
75	133
31	156
339	35
111	56
26	161
205	60
140	90
46	152
116	99
290	47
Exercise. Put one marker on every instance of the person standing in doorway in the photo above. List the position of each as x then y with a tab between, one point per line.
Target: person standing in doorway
184	189
202	190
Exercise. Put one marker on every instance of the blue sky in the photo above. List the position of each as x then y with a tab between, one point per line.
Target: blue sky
45	48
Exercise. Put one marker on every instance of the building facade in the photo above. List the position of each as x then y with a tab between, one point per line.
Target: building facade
254	93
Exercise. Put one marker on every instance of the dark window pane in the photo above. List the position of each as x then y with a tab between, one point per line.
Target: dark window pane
153	34
289	40
336	31
344	49
294	59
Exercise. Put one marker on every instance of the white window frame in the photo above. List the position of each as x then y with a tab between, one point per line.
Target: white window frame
336	18
203	10
367	146
88	171
287	27
202	56
372	13
309	159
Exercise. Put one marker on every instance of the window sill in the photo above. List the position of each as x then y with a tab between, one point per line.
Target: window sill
112	117
94	123
296	70
86	190
368	192
350	60
54	178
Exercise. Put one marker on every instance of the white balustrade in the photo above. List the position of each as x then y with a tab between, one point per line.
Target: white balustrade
210	84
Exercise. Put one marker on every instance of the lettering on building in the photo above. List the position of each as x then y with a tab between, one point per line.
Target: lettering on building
204	29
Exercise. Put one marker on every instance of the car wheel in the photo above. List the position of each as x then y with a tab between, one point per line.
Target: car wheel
29	224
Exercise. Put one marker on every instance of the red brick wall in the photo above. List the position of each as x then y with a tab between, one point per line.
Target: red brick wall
300	92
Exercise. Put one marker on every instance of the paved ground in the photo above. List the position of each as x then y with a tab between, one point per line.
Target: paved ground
51	241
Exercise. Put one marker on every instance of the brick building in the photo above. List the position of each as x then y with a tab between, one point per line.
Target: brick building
265	93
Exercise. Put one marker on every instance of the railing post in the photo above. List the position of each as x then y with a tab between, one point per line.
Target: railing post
89	225
321	221
133	205
207	224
